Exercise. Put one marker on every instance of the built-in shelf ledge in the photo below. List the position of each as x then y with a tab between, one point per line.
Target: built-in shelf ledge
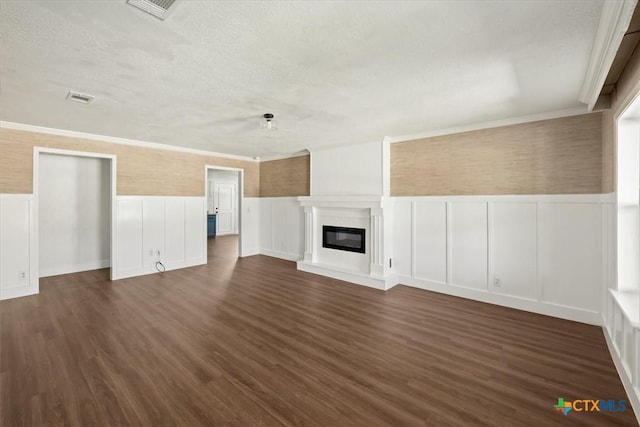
629	303
382	283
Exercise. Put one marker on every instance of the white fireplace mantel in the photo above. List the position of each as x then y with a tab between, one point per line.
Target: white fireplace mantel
347	202
373	213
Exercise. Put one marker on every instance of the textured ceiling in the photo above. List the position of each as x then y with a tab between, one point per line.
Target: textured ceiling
331	72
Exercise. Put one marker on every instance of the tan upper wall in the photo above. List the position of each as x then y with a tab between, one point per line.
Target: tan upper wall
286	177
608	152
141	171
559	156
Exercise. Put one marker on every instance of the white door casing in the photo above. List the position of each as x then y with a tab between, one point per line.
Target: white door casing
210	203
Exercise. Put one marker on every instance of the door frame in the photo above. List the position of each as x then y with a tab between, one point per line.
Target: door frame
240	196
113	160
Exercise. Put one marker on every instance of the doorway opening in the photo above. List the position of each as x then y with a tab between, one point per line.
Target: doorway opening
224	194
74	203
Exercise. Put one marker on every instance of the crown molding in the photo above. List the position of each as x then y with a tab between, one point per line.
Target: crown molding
613	24
122	141
492	124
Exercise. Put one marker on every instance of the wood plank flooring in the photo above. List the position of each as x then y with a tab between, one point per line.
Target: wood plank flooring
253	342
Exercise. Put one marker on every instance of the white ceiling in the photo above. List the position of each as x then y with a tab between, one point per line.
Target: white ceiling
341	72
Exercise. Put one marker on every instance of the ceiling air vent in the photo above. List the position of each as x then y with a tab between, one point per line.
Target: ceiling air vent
80	97
157	8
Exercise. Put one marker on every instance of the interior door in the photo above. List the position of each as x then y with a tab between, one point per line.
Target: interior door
226	207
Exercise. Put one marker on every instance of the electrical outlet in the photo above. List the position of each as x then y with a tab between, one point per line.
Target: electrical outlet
22	275
496	282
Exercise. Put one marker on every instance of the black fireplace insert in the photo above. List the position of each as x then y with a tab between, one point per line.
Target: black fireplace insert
343	238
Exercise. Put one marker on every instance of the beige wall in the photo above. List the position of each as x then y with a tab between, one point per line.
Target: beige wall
559	156
141	171
608	152
286	177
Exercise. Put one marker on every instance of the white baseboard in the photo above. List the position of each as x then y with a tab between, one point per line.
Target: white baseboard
282	255
249	252
75	268
169	266
632	392
563	312
19	291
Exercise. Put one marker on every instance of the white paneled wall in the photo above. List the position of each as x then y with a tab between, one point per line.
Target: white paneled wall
18	240
467	232
250	222
128	235
175	229
536	253
195	240
149	229
430	239
513	245
281	228
570	254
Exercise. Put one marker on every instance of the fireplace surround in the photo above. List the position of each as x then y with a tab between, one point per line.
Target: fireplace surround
370	265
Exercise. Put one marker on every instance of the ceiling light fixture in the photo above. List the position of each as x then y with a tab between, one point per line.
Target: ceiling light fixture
268	122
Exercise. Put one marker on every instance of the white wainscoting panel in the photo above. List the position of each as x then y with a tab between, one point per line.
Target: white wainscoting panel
468	244
609	250
18	261
266	224
153	230
128	236
570	254
174	230
546	251
149	229
250	226
402	237
281	228
430	241
195	231
295	229
513	246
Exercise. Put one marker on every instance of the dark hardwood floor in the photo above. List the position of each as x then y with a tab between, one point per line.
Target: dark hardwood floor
253	342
